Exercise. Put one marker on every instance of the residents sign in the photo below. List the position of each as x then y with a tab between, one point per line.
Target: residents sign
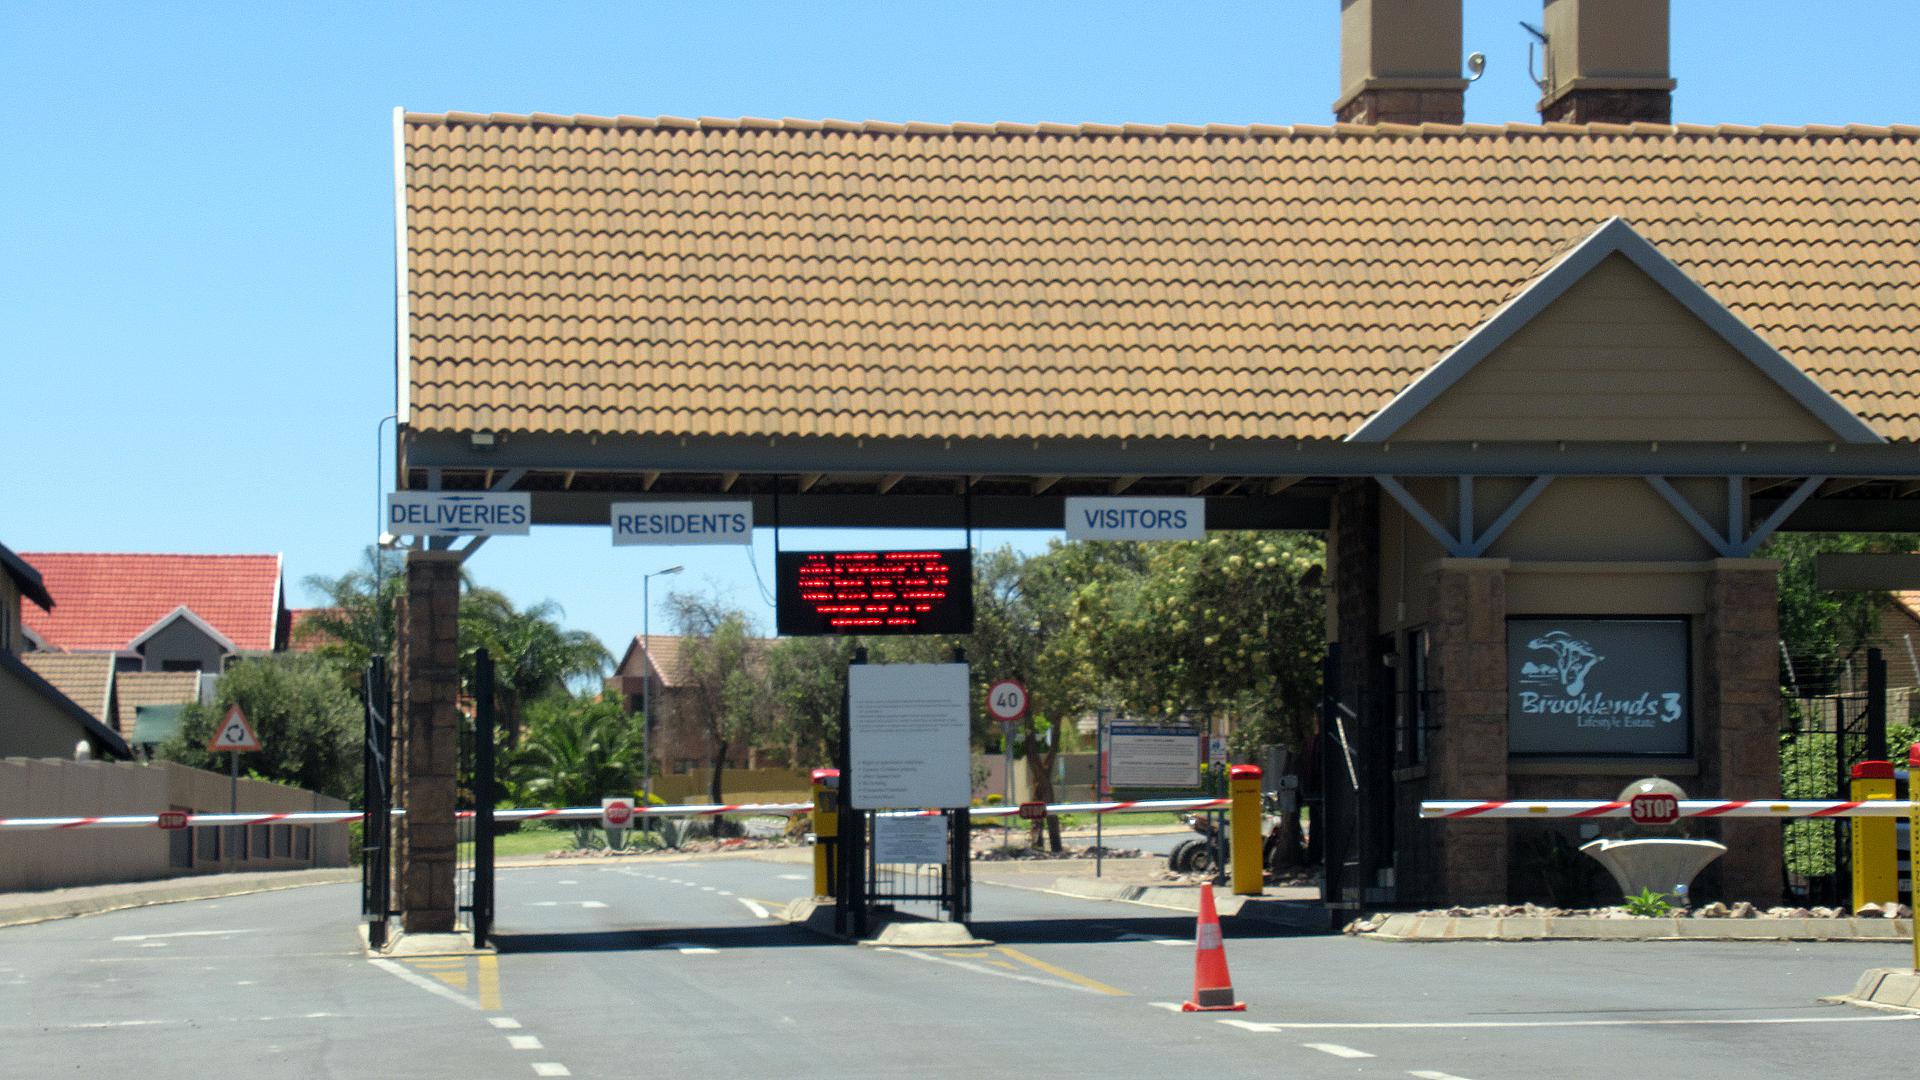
636	523
459	513
1598	686
1136	519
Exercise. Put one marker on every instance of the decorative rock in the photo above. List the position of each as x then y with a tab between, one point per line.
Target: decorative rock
1867	911
1715	910
1741	910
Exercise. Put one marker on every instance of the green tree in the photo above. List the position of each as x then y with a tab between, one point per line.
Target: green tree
578	750
358	619
309	725
726	691
1823	629
807	678
533	656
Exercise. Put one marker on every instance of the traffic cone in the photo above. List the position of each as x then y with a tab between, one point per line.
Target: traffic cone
1212	986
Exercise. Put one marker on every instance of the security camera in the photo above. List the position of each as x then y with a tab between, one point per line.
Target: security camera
1476	66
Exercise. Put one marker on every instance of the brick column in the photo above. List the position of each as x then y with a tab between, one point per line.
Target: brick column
427	739
1739	735
1467	749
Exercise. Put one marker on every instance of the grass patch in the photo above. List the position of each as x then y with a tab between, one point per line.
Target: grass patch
536	839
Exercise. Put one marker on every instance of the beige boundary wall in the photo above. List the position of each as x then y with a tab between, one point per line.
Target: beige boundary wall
51	787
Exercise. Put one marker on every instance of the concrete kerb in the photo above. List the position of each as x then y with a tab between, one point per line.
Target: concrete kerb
1443	928
1293	914
408	946
897	931
22	909
1887	989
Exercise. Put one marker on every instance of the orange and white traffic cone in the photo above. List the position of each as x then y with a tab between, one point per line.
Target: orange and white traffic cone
1212	986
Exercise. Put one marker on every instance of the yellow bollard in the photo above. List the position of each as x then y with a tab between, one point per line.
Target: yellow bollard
1243	787
1876	875
1913	839
826	828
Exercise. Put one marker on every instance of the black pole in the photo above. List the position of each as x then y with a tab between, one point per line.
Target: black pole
376	828
1876	707
1329	824
483	797
960	836
850	911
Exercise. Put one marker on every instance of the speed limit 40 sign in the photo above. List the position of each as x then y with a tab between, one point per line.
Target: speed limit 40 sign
1007	701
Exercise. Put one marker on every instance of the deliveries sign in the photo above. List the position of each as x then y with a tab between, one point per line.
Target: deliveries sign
1598	686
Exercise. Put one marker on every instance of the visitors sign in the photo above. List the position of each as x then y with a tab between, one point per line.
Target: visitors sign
1136	519
907	732
637	523
1145	756
459	513
1598	686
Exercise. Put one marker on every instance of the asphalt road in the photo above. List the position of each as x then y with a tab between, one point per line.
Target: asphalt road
669	968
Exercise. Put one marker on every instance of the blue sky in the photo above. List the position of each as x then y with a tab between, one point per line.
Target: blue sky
196	299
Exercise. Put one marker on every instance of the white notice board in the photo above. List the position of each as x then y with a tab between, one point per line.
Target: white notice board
1140	756
910	839
908	734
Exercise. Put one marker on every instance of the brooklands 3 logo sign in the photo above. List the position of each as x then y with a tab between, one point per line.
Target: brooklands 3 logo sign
1555	684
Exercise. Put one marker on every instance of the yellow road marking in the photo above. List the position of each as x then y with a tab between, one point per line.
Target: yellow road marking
489	983
1001	963
455	979
1062	973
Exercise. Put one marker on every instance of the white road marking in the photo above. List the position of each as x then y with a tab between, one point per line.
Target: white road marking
706	888
1250	1025
183	933
1181	942
104	1024
984	970
242	982
693	950
503	1021
1170	1006
724	892
423	982
759	912
569	881
1337	1050
1429	1074
793	877
550	1068
525	1042
153	944
566	903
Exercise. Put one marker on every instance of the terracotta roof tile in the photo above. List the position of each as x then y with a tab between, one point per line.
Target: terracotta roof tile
105	600
779	277
86	680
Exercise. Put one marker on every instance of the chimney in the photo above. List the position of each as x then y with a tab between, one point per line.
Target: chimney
1400	62
1607	62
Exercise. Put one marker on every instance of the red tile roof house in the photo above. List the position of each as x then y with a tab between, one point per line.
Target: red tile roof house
162	612
36	718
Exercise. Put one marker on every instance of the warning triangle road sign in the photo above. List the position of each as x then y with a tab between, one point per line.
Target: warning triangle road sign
235	733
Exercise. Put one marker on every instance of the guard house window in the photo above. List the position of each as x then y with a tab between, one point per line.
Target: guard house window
1412	715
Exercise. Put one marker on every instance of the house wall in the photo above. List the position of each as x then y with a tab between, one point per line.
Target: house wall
181	640
59	859
32	726
1616	357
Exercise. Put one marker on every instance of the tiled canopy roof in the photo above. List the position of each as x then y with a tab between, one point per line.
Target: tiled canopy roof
138	688
86	680
787	278
106	600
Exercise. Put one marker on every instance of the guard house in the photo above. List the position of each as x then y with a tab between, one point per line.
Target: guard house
1546	386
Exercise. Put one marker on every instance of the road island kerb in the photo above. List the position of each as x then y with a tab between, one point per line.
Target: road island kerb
24	908
1414	927
1888	989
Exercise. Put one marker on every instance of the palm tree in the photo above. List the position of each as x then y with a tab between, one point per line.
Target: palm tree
578	750
357	622
532	656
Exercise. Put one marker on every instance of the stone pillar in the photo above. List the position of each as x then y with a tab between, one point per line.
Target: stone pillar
1739	735
427	739
1467	749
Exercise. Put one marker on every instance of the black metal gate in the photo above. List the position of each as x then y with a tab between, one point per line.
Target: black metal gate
475	802
865	887
1832	721
376	820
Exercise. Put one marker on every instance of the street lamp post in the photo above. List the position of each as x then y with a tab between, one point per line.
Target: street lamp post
646	684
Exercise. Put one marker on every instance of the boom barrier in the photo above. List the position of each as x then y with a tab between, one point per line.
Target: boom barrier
1694	808
178	820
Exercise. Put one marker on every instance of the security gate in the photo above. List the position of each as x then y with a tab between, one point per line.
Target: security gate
376	782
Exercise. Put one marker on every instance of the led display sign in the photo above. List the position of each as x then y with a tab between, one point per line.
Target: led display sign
875	592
